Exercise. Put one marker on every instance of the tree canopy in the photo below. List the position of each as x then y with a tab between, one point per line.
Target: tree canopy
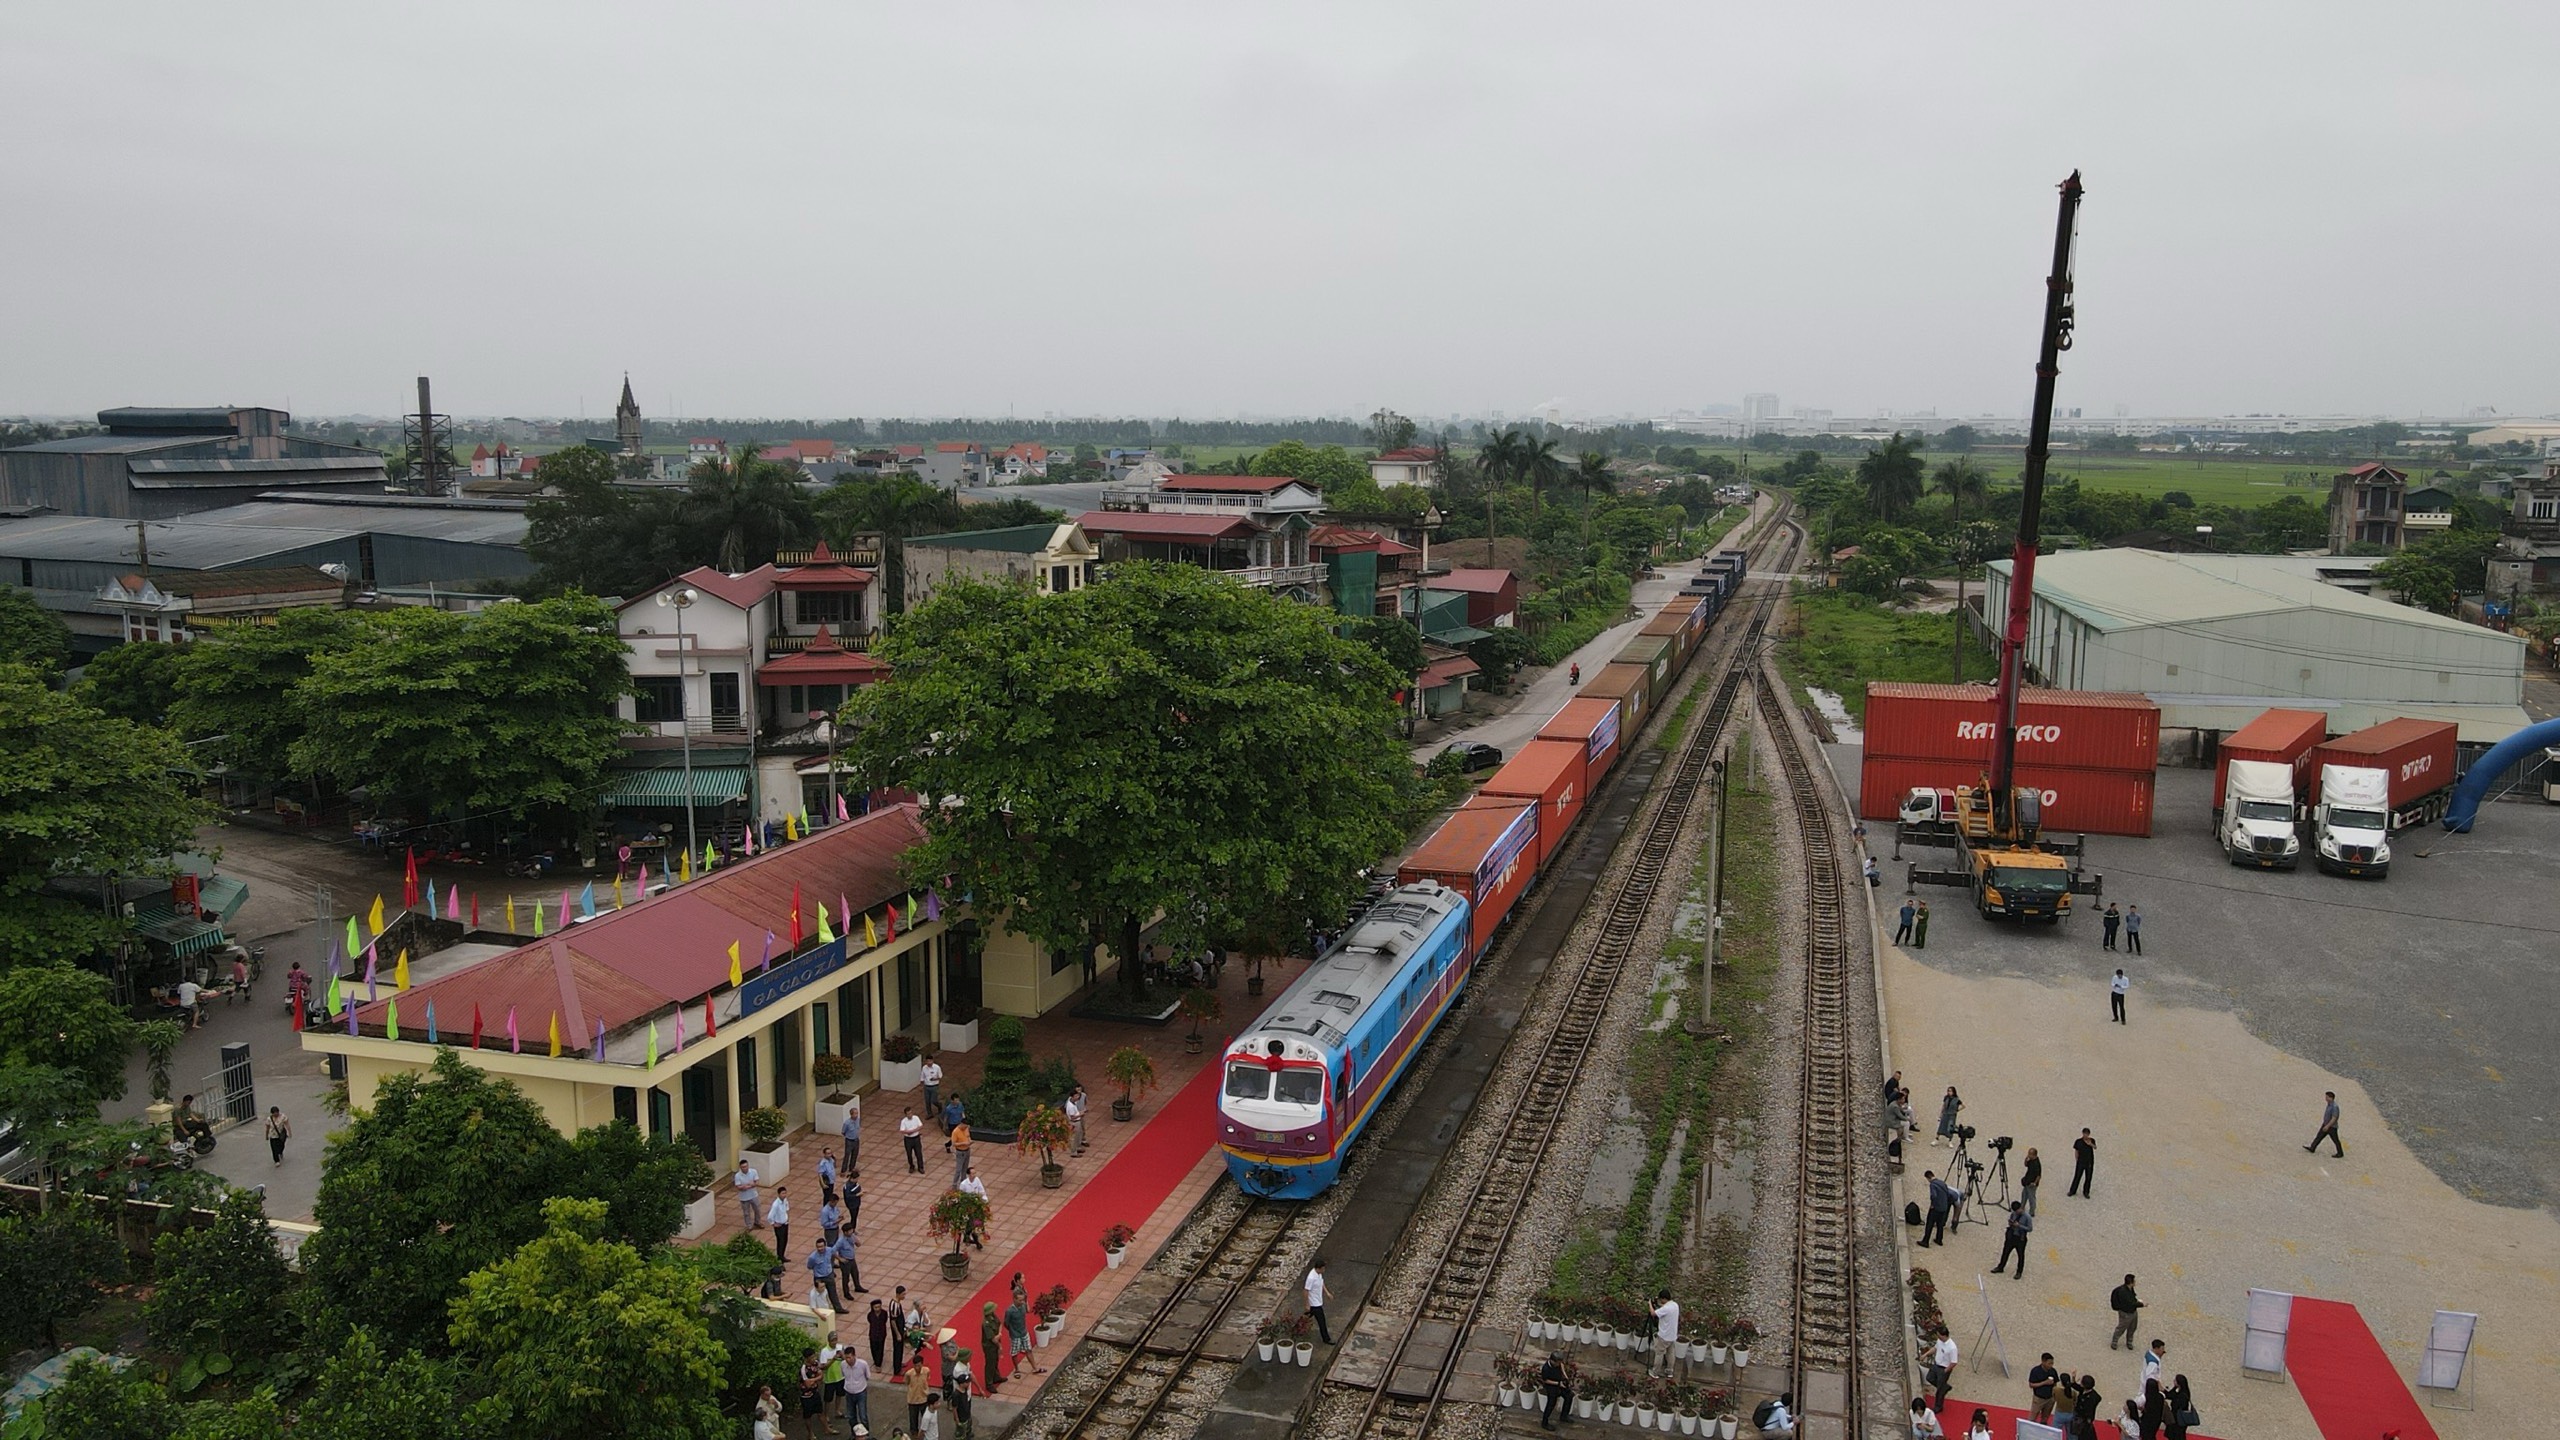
1892	476
31	635
1165	741
594	535
80	794
136	681
577	1334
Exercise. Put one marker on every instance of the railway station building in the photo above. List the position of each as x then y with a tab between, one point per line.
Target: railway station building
635	1014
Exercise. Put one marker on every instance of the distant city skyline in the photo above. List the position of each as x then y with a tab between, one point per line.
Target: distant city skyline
813	209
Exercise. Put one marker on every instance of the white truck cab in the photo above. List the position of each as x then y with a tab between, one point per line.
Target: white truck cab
2258	815
2351	827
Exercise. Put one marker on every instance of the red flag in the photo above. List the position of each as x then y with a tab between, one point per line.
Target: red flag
893	921
710	1026
795	914
475	1007
297	1010
475	909
409	885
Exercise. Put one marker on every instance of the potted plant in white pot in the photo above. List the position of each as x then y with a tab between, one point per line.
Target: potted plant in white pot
1044	1128
832	1073
960	1027
1506	1379
765	1126
901	1064
1743	1335
1267	1340
955	1217
1129	1068
1115	1247
1051	1306
701	1209
1299	1328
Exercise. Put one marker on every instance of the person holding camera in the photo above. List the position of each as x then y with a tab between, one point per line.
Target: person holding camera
1942	1201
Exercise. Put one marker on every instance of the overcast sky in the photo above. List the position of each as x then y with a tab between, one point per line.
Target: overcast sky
1210	209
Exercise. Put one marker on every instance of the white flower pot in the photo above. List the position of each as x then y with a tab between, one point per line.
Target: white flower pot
1583	1405
959	1039
1726	1425
1510	1395
1741	1357
1644	1417
1586	1334
772	1164
1688	1424
1262	1350
1663	1421
1306	1353
1626	1413
699	1212
1715	1354
830	1121
1111	1258
900	1076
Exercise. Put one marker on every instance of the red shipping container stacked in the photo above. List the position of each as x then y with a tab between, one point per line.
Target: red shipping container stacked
1591	722
1551	773
2279	737
1487	851
1631	687
2074	729
2418	755
2100	802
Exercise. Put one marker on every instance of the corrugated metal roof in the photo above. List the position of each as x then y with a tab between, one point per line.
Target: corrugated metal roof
2129	589
1015	539
236	535
1198	529
108	444
712	785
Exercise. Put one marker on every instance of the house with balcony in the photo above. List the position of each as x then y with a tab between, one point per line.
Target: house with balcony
1051	559
2367	506
1367	572
951	464
1254	528
2427	510
2528	558
735	684
1411	465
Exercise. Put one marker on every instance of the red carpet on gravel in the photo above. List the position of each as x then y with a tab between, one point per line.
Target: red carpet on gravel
2354	1391
2004	1419
1125	1191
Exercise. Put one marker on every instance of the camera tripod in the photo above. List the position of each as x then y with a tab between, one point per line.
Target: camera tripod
1980	1204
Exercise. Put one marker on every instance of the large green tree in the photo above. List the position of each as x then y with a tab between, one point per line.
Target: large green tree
1331	469
224	1286
31	635
80	794
586	532
367	1392
137	682
238	691
60	1016
99	1401
578	1334
1892	476
893	506
748	508
1164	743
507	708
53	1265
1959	481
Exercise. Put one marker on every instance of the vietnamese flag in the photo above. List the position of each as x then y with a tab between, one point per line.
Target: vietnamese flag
795	914
710	1022
409	881
475	1024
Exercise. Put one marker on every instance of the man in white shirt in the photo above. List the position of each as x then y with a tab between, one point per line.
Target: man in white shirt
1666	1331
1315	1299
970	1184
1940	1376
857	1388
778	1215
188	994
1075	1117
745	1182
911	1134
932	1077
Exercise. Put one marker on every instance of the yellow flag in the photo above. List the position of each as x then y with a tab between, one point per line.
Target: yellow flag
400	971
870	932
555	1034
373	918
511	914
686	871
537	917
790	827
617	889
736	977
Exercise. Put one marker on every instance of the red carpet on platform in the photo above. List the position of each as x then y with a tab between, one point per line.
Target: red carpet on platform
2005	1418
2344	1375
1068	1250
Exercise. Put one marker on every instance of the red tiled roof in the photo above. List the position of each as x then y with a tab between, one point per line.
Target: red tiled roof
1033	453
1198	529
1227	484
1412	453
670	949
823	663
1345	538
823	572
1441	672
910	451
813	449
778	452
956	447
2372	467
1473	582
1395	547
742	591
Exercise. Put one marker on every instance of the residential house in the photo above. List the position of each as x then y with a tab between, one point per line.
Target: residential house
1051	559
2528	561
1411	465
2366	507
1367	572
953	464
1022	462
706	447
176	608
2428	511
1252	527
805	453
1493	596
741	677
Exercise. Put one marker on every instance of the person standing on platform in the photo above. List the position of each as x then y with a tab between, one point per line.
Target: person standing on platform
959	1147
2084	1167
857	1389
878	1321
1666	1332
830	1221
2030	1175
2108	924
1950	1105
279	1129
931	1074
2040	1383
744	1183
826	1176
1910	911
1920	928
2328	1128
2117	989
778	1215
2133	928
1017	1336
848	1255
1315	1299
2013	1239
1941	1373
852	1131
852	1199
2128	1311
1076	1104
1942	1202
822	1276
991	1344
911	1134
919	1392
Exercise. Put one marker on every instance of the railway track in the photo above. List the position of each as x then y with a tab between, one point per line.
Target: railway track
1430	1337
1823	1361
1150	1369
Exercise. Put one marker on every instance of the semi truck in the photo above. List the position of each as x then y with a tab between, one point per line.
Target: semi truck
2258	785
2382	778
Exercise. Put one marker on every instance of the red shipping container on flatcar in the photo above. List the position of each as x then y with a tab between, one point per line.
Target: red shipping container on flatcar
2099	802
1592	722
1550	772
2071	729
1488	851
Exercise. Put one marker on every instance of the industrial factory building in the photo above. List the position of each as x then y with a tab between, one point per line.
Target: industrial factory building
2215	639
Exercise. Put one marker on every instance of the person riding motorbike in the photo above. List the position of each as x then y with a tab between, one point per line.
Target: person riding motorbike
190	1128
1577	672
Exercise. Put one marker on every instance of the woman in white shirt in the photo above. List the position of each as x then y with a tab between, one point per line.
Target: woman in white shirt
1924	1422
1980	1429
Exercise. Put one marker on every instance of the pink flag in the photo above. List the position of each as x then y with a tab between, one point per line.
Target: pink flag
749	843
848	912
515	1044
453	902
679	1030
564	907
841	812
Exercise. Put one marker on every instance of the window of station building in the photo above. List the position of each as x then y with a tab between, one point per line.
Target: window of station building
657	697
816	607
662	1114
626	1105
1059	577
747	1086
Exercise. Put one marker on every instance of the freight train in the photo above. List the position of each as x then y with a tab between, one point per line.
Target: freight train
1302	1083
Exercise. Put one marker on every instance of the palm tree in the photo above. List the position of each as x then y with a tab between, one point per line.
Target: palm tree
1892	477
894	506
1960	480
1539	464
1592	474
1499	459
753	505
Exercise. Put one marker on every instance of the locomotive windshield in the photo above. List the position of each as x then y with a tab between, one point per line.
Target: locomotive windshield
1301	1087
1248	1080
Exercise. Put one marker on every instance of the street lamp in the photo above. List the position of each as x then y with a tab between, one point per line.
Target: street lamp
680	600
827	723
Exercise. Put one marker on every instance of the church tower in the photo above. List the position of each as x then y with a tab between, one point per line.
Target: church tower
626	420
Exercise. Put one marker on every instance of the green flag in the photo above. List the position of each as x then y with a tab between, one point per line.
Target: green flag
355	942
391	1018
334	1004
653	1044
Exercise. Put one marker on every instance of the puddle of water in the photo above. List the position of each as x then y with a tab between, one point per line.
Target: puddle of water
1689	922
1730	1163
1614	1167
1836	714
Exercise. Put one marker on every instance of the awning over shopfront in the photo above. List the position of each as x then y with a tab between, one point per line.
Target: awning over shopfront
180	935
712	785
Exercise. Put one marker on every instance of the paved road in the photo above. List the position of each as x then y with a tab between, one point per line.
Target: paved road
1075	499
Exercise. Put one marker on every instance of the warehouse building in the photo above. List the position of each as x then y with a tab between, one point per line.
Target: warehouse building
150	462
2215	639
79	566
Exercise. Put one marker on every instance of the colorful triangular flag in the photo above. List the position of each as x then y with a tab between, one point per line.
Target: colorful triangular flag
431	904
599	1050
537	917
391	1019
355	942
617	888
475	1024
790	827
686	873
679	1030
747	841
841	812
710	1022
587	900
400	970
768	951
370	993
511	912
555	1034
653	1042
453	904
893	924
933	905
734	977
409	879
795	910
475	908
870	933
826	932
373	918
432	1037
911	909
336	1002
563	911
710	857
515	1043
